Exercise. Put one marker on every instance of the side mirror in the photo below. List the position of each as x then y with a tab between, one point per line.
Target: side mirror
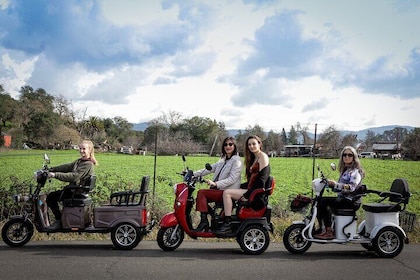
208	166
333	167
46	159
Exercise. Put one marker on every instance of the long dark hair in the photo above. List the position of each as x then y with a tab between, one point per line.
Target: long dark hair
249	156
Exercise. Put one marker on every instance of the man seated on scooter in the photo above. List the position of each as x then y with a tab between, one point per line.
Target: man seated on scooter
76	173
227	175
351	174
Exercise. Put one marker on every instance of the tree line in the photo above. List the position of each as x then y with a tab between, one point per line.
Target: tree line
41	120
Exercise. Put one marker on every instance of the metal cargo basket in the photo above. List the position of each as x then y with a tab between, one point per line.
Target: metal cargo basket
407	221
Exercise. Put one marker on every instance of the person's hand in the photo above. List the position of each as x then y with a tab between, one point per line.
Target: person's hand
212	184
51	175
331	183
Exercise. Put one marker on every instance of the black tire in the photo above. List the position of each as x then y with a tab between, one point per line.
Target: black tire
164	238
17	232
294	241
126	236
254	240
389	242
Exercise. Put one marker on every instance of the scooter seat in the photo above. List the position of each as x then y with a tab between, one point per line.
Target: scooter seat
344	212
381	207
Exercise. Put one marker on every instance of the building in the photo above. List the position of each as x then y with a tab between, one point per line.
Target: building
7	139
385	149
298	150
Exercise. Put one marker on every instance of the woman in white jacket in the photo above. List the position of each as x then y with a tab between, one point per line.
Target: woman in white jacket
227	175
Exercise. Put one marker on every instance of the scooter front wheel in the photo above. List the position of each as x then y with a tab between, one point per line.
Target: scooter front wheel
294	241
17	232
126	236
170	238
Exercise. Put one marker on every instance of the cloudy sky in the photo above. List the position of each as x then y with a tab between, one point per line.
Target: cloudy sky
353	64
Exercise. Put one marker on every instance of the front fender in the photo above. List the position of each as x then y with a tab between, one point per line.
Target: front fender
169	220
386	224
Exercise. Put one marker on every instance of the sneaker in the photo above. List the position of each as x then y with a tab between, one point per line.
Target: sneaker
328	234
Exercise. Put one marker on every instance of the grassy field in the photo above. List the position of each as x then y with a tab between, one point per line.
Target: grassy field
121	172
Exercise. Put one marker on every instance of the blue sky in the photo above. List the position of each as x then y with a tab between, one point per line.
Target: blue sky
352	64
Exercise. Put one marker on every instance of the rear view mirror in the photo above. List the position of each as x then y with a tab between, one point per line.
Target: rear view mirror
208	167
46	159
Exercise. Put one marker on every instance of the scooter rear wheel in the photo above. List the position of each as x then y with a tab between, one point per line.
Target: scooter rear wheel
254	240
168	240
389	242
294	241
17	232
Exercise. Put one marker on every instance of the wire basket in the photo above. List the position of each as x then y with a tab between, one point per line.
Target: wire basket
407	221
299	203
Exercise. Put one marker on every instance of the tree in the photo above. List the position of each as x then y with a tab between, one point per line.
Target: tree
201	130
411	144
40	128
32	102
349	140
8	107
65	136
370	138
272	142
283	136
92	128
303	132
330	142
292	139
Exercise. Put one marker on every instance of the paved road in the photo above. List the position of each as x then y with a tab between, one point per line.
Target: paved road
200	260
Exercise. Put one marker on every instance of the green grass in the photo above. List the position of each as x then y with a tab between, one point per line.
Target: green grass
121	172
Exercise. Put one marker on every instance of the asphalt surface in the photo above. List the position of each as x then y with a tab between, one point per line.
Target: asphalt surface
200	260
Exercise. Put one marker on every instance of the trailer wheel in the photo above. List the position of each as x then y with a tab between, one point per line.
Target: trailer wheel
126	236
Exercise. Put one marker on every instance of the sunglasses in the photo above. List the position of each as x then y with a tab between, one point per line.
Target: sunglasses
347	155
228	144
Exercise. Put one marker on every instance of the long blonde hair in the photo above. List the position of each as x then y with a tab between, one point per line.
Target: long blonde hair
91	150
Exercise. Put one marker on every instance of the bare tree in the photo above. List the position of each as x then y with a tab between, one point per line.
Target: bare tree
330	142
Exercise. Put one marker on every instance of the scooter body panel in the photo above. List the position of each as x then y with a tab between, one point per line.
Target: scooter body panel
168	220
377	228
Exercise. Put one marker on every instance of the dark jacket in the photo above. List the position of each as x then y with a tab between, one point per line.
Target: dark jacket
76	173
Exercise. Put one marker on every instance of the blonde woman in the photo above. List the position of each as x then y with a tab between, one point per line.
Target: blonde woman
76	173
351	175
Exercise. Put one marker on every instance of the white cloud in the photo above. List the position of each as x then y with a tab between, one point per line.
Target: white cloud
272	63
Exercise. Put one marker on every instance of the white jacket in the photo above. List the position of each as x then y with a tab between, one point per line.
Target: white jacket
227	173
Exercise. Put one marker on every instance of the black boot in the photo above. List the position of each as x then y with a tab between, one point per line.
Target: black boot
204	223
226	227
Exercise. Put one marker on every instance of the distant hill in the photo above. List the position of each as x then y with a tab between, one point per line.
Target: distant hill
361	134
140	126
